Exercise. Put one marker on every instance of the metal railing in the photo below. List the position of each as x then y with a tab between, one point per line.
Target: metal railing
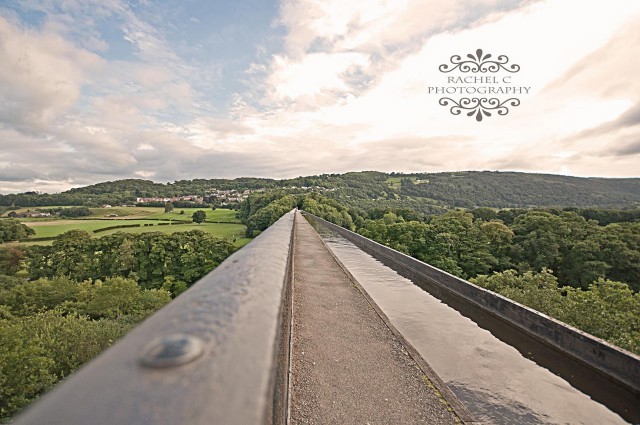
218	353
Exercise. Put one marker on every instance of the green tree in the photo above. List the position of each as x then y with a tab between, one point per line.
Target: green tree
500	239
199	216
117	296
39	350
11	259
168	207
462	241
12	230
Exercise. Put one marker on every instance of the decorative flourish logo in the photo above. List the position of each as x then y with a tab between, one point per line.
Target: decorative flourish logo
479	106
479	63
499	82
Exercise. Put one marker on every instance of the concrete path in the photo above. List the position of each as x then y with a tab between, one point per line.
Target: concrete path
348	367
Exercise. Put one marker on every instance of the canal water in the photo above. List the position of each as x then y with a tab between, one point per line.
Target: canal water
496	383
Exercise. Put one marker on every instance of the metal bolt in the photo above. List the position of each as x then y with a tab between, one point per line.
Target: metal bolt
171	350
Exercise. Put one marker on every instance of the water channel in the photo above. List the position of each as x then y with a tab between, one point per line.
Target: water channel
496	383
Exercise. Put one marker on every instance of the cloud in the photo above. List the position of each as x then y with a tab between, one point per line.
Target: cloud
591	78
41	76
315	74
393	104
371	25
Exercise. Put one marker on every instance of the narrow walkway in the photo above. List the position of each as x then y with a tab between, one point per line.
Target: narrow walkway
348	367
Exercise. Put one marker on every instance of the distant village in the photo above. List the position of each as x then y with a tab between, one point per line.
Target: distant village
222	197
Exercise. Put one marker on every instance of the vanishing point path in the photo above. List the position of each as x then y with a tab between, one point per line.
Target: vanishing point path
348	367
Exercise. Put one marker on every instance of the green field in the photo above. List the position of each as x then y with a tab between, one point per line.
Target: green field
221	223
129	213
220	230
52	228
217	215
394	182
132	213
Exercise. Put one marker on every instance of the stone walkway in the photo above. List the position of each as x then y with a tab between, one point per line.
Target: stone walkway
348	367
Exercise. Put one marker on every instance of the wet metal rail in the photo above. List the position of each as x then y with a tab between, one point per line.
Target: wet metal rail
608	374
217	354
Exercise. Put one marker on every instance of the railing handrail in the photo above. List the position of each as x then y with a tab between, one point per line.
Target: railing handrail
229	331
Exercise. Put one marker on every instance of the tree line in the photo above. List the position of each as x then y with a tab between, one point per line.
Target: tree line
152	259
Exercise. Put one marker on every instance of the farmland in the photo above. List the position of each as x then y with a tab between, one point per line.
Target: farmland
221	223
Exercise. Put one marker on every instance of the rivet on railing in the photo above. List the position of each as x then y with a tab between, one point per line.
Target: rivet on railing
171	350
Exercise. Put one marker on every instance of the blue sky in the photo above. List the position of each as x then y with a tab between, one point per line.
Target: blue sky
100	90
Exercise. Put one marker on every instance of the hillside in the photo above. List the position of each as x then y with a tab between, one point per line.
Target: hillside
508	189
427	192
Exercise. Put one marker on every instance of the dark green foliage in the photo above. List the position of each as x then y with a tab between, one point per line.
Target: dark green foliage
607	309
74	212
84	294
39	350
199	216
329	210
120	226
262	211
604	217
49	327
452	241
67	212
113	298
11	258
578	251
149	258
509	190
13	230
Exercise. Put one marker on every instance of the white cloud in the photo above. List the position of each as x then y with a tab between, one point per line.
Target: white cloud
145	174
41	76
314	74
395	107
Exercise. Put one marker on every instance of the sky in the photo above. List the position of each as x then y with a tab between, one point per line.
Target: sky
97	90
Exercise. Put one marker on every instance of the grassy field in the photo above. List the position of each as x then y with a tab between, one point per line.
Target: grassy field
133	213
394	182
151	217
46	229
129	213
217	215
220	230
